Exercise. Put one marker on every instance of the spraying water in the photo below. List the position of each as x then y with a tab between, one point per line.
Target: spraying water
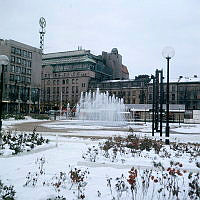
101	108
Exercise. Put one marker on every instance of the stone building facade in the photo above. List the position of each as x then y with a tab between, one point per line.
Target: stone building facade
184	90
22	77
66	74
133	91
114	60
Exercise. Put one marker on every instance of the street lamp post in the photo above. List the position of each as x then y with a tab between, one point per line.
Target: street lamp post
168	53
3	61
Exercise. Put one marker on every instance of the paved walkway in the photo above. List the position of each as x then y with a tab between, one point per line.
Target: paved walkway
69	132
29	126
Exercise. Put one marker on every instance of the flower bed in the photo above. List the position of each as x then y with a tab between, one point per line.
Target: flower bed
143	150
14	143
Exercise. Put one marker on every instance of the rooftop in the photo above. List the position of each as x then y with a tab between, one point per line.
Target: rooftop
65	54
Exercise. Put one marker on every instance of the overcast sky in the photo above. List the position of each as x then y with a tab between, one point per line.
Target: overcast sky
140	29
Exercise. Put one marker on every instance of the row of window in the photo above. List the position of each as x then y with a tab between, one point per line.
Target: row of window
67	81
75	89
68	74
20	61
18	69
18	89
173	97
19	78
64	97
62	68
172	88
20	52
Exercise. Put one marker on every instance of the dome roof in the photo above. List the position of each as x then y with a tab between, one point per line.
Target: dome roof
114	50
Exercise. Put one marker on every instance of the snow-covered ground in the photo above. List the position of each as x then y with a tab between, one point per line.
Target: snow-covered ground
69	151
11	122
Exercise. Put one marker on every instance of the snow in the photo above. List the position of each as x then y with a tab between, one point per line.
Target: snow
188	128
10	122
14	169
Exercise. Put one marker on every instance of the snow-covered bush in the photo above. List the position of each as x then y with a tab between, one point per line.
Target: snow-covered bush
6	192
19	142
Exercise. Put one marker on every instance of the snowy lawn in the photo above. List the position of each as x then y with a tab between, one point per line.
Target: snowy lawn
67	172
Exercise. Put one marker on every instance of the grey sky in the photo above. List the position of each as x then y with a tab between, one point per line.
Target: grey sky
140	29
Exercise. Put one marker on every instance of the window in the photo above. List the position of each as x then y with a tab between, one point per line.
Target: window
11	77
72	81
173	96
54	82
76	80
28	80
17	78
57	90
23	70
12	49
25	54
58	82
18	51
83	84
67	81
63	89
76	89
48	90
23	78
17	69
63	81
18	60
25	63
54	90
29	63
29	54
67	89
72	89
12	68
12	59
28	71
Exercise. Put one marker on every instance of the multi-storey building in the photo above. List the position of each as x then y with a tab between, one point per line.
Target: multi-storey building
133	91
66	74
22	77
184	90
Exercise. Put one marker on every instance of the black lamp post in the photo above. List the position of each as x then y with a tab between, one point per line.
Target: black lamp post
3	61
168	53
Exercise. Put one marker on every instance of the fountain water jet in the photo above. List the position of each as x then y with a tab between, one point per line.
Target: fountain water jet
101	109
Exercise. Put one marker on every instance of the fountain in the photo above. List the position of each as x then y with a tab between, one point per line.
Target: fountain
101	109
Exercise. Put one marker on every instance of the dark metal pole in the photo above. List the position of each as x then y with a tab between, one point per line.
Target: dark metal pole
167	104
161	101
153	106
156	99
1	99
